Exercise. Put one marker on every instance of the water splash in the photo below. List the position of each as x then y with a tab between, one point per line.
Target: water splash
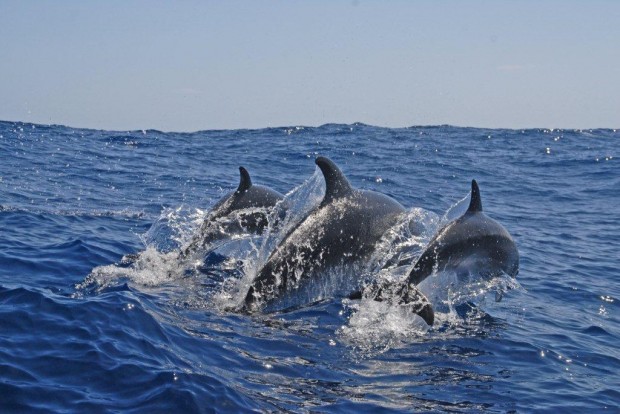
173	228
218	274
160	263
376	327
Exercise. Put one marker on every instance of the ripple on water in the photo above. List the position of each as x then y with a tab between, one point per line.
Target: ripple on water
83	330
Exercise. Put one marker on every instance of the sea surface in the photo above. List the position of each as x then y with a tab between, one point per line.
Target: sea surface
98	315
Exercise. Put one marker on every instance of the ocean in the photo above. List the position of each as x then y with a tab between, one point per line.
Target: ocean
96	315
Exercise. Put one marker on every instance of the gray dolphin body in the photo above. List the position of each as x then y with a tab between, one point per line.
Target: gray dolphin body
473	241
243	210
342	230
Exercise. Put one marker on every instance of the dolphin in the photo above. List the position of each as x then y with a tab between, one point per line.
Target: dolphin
472	241
244	210
341	231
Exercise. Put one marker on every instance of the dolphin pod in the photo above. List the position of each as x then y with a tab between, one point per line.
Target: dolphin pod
344	229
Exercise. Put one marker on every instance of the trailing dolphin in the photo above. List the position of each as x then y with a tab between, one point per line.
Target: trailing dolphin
244	210
341	231
472	241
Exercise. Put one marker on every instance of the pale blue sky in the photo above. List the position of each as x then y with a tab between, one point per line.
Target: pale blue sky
192	65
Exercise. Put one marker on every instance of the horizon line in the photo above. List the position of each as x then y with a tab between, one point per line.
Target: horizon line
302	126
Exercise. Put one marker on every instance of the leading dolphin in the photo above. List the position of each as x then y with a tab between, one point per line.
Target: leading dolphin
342	230
473	241
244	210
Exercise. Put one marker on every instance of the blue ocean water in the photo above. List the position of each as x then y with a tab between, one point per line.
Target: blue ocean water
83	331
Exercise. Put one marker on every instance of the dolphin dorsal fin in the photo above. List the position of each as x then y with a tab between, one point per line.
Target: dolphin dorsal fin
336	184
245	182
476	202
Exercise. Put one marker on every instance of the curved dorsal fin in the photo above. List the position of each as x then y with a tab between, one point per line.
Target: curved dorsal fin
245	182
476	202
336	184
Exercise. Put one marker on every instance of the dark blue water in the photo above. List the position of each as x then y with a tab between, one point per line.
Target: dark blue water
82	332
